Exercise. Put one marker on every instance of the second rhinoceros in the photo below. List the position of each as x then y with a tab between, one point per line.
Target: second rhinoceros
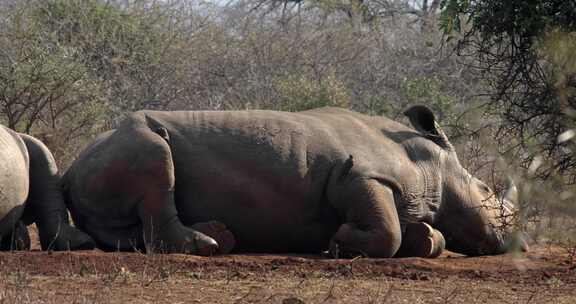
205	182
30	192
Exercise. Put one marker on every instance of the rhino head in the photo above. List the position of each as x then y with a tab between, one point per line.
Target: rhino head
473	219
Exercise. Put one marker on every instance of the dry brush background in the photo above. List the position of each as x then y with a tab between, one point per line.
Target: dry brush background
503	85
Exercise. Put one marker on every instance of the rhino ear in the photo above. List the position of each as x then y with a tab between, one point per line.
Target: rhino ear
424	121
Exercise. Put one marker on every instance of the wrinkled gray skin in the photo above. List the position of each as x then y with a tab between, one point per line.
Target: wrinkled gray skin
279	182
30	192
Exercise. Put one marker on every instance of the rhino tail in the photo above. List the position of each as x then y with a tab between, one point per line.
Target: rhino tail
156	127
163	132
347	168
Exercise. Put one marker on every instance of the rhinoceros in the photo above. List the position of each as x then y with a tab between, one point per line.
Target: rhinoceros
30	192
206	182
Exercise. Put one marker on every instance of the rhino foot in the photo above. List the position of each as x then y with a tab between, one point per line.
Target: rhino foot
351	242
338	248
182	239
68	238
18	239
219	233
421	240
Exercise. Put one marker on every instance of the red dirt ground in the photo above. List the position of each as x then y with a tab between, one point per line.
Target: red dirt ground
547	274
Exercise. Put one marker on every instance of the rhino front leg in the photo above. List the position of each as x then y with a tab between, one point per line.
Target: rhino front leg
421	240
371	227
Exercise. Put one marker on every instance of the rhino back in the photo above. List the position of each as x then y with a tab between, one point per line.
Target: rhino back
282	150
14	164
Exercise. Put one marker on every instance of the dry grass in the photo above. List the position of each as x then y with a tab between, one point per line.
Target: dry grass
547	275
273	289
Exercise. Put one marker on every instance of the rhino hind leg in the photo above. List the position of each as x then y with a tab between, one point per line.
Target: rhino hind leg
164	232
45	206
17	239
151	178
421	240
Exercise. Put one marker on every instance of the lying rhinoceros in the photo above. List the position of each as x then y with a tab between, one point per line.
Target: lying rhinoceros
264	181
30	192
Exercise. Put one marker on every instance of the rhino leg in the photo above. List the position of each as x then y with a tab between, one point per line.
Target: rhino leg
45	205
163	230
421	240
17	239
371	227
151	178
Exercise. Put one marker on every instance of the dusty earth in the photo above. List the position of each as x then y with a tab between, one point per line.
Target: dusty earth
547	274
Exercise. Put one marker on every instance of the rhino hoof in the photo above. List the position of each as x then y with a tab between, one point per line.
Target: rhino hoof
218	231
70	238
421	240
206	247
195	243
438	244
81	241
